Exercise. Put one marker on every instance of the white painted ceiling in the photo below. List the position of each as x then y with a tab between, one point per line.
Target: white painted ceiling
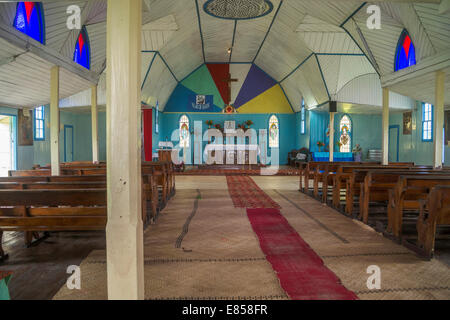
317	49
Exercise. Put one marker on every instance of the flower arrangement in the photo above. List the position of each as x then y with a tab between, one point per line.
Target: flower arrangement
320	144
249	122
218	126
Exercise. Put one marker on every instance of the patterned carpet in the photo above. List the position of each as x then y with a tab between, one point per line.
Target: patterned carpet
245	193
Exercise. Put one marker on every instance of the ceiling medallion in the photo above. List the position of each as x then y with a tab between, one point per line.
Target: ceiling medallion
238	9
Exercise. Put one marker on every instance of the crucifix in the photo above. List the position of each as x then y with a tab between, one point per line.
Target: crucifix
229	80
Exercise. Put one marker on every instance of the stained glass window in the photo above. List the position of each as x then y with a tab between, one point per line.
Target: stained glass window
302	120
82	52
427	122
184	132
406	53
274	130
30	20
346	138
39	121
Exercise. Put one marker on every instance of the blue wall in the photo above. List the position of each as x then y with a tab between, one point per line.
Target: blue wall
411	147
288	126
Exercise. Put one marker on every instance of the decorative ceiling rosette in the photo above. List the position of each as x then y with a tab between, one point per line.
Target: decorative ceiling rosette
238	9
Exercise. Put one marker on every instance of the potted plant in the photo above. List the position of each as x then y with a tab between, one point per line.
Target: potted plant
209	123
320	144
249	123
357	153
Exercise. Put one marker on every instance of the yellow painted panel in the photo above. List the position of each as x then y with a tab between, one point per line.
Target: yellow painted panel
270	101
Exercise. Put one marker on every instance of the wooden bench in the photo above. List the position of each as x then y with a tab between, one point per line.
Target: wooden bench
434	212
376	185
51	210
344	173
406	197
354	182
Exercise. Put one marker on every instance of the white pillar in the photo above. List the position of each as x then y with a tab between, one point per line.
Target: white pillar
94	114
439	118
385	127
124	230
331	141
54	120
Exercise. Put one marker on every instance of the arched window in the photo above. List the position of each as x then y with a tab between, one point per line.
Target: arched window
274	132
303	119
82	52
405	55
346	136
184	132
30	20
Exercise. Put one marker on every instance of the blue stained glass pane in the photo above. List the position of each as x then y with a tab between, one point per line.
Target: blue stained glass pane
82	52
29	20
406	53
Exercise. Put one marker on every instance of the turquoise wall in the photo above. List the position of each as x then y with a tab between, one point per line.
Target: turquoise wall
411	147
288	126
82	141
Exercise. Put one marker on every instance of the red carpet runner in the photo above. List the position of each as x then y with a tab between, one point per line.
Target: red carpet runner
301	271
245	193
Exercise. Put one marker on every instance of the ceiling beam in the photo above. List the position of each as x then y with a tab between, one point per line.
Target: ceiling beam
200	30
268	30
22	41
425	66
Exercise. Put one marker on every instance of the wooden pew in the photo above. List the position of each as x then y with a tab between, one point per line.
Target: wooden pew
354	181
407	196
378	182
434	212
310	170
338	181
51	210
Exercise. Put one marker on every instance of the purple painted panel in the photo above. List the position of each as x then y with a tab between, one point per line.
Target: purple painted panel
257	82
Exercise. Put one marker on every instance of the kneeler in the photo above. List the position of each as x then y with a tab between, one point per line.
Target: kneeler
5	276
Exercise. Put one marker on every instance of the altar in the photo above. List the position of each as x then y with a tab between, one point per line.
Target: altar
231	154
337	156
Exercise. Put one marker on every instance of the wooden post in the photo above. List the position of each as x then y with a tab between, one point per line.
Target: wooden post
439	118
124	230
94	114
331	141
54	120
385	127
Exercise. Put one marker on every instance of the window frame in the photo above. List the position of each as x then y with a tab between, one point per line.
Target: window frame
189	128
350	131
39	120
430	121
278	129
303	118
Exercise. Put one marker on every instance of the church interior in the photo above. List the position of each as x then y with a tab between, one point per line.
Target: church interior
225	150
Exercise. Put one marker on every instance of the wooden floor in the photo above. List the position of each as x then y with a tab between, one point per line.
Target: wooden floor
40	271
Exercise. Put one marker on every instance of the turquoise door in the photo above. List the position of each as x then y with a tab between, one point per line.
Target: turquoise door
68	143
393	143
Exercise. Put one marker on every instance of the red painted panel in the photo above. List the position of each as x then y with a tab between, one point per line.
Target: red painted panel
148	127
221	72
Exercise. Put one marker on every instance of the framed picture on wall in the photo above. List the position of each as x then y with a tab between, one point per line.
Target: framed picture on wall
407	123
157	117
25	128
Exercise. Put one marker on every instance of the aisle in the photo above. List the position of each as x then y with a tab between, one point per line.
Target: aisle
203	247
